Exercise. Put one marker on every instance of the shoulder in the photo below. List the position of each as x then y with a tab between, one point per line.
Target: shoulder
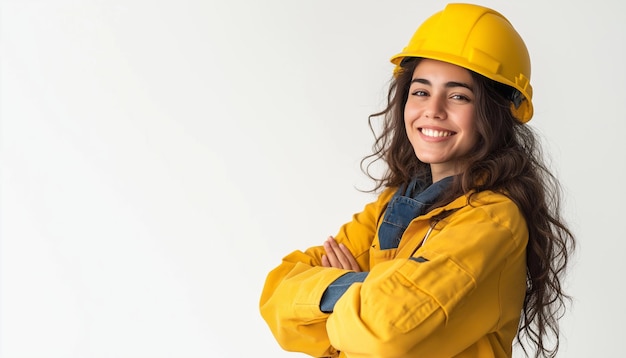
497	208
485	206
386	195
486	201
493	203
383	198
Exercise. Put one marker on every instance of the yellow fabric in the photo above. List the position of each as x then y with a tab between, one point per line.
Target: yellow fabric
465	301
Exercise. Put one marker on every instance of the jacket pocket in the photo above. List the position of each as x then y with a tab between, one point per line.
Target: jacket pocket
419	289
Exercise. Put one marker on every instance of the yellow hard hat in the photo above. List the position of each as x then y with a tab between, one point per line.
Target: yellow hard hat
481	40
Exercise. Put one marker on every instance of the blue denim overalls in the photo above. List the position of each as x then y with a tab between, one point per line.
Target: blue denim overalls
405	206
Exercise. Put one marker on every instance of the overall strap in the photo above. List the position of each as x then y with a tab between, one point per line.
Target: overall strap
407	203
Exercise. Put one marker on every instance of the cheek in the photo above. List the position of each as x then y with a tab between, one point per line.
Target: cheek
410	112
407	116
467	120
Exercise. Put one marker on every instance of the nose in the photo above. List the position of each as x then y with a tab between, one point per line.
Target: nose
435	108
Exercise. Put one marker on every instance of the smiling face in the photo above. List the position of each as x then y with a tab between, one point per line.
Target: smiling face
439	116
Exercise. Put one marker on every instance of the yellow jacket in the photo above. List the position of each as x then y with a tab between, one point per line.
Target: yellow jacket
463	300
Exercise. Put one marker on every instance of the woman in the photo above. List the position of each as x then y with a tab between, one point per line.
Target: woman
464	249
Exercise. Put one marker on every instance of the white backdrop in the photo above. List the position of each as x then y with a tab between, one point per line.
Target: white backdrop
160	157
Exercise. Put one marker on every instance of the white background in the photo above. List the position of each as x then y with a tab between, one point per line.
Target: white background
160	157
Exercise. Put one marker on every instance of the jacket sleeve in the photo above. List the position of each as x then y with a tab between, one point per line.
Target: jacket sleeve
404	305
291	296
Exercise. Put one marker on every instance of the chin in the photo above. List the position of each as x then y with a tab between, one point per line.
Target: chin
429	160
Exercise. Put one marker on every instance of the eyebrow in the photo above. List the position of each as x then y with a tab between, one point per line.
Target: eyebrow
450	84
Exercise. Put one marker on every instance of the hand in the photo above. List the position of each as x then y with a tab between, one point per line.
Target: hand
338	256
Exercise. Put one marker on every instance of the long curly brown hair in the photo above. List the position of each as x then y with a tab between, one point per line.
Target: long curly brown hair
506	159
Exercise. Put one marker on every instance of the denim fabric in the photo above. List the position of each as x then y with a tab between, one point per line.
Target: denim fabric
406	205
338	288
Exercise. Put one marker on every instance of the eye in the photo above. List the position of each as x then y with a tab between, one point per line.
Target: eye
419	93
460	97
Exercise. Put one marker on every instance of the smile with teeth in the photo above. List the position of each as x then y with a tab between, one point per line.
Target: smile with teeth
435	133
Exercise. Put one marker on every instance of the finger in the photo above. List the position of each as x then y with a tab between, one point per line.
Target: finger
344	262
325	262
344	256
352	264
331	255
